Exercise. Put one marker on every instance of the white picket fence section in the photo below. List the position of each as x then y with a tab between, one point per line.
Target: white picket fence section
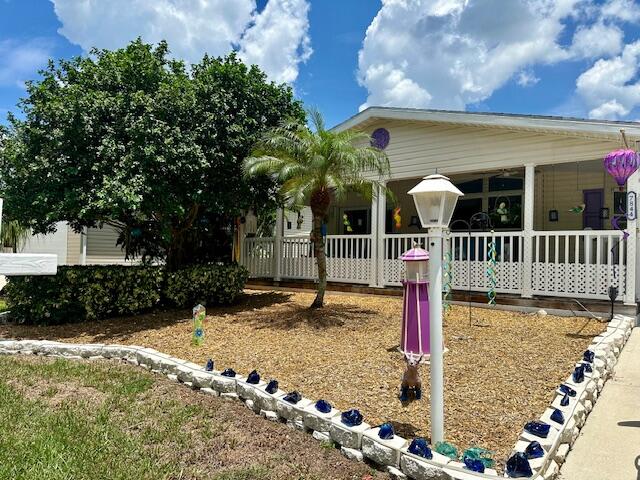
258	256
349	258
470	260
562	263
582	263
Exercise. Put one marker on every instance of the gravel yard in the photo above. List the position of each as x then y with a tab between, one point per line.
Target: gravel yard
499	372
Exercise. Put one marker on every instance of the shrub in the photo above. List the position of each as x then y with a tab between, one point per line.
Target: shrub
83	293
79	293
209	284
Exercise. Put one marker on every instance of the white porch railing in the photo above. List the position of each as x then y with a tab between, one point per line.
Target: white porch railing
349	258
470	259
563	263
579	263
258	256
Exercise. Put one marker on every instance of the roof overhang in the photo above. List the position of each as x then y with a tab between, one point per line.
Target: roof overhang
602	129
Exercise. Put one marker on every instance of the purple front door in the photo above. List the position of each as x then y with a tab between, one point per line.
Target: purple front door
593	204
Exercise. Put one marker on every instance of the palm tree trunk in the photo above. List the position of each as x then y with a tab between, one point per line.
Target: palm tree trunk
321	260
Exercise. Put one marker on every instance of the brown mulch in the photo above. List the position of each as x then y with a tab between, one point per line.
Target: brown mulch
500	372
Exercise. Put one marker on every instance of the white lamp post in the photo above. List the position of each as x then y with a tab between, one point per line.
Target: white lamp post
435	198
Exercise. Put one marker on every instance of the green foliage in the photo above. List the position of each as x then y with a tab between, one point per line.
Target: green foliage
316	168
136	140
207	284
80	293
13	235
305	162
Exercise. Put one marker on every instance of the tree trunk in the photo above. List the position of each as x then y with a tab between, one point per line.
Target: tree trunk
320	201
321	260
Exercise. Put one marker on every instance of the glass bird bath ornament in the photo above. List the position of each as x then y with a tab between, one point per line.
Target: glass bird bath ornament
414	336
199	314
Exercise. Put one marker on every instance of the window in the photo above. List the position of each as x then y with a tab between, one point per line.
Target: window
465	209
472	186
503	184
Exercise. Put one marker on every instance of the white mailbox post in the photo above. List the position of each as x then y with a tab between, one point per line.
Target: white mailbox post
27	263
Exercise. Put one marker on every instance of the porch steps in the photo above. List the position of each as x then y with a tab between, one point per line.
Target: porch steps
553	305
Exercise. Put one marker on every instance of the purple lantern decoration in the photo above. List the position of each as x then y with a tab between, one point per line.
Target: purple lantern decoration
414	342
621	164
380	138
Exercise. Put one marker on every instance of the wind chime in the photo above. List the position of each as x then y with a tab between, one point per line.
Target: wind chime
620	164
491	270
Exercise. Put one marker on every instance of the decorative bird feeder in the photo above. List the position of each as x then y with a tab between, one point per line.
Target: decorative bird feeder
414	343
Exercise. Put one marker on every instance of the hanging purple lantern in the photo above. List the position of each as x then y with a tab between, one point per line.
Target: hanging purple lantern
621	164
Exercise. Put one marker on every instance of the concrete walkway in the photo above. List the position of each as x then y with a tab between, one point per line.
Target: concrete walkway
609	444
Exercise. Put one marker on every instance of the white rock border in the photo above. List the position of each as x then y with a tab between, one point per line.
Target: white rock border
362	441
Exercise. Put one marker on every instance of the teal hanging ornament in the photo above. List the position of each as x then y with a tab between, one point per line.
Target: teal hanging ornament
446	280
491	270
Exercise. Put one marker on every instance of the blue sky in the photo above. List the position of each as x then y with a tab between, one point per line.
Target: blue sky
559	57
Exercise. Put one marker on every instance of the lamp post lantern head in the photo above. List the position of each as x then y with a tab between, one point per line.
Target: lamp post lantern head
435	198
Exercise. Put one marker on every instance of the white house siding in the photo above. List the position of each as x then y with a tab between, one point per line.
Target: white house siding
419	148
55	243
74	247
291	218
102	248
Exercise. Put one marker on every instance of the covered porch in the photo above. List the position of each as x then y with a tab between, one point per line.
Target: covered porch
551	226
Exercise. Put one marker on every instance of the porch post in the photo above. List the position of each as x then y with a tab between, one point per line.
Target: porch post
84	240
633	185
373	246
527	254
380	233
277	246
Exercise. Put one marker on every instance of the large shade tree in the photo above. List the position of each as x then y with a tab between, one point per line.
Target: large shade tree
139	141
316	168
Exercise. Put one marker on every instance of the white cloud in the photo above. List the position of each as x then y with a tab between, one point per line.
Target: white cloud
456	52
20	61
626	10
195	27
610	88
597	40
279	39
526	78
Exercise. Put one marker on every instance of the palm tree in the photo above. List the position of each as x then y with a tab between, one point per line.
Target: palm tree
13	235
316	168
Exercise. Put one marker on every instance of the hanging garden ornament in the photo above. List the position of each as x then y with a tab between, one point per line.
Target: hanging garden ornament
621	164
491	271
380	138
447	278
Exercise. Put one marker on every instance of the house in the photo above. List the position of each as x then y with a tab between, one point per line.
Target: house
539	180
93	246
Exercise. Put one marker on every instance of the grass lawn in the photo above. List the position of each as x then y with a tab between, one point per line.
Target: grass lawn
500	372
65	419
